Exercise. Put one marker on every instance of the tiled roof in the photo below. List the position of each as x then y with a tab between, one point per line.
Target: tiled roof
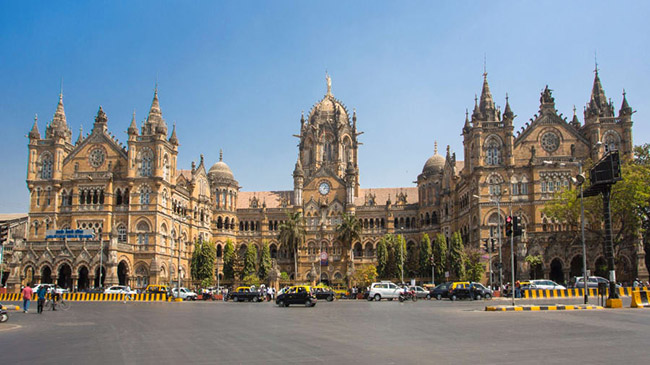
186	173
383	194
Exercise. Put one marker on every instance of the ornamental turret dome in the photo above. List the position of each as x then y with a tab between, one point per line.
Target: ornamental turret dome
220	170
435	163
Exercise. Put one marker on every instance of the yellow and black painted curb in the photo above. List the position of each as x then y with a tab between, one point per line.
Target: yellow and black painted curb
573	293
96	297
534	308
10	307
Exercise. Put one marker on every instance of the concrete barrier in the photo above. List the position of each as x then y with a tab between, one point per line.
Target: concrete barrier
534	308
10	307
95	297
572	293
640	299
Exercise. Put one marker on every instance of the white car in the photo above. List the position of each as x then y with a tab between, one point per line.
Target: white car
384	290
186	294
119	289
545	284
48	287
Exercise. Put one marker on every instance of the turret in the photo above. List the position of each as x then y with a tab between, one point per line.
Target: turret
58	127
173	139
133	128
34	134
298	180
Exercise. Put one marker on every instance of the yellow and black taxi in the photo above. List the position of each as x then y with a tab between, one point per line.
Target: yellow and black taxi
245	294
323	292
299	294
458	289
157	289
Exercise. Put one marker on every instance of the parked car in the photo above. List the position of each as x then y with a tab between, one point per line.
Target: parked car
185	294
384	290
98	290
300	294
119	289
545	284
48	287
245	294
441	291
480	291
592	282
155	289
420	292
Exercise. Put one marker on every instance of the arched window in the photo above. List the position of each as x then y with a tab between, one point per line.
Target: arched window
143	235
493	151
121	233
166	168
118	197
274	251
146	162
494	224
494	185
163	200
611	141
145	192
46	166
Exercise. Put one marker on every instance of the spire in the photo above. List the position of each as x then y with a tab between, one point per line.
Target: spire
173	139
507	113
466	127
133	127
329	83
598	104
476	115
625	107
34	133
59	115
154	119
575	122
297	171
486	105
81	134
58	127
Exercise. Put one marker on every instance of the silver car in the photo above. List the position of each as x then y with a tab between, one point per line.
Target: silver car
384	290
545	284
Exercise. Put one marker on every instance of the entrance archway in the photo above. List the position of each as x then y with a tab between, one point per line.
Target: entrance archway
64	278
46	275
123	273
29	276
576	266
83	282
601	268
97	283
557	274
324	279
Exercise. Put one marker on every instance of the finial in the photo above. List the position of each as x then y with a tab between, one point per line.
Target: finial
133	113
574	108
484	66
329	83
61	90
201	158
35	117
220	155
435	147
475	99
624	93
596	63
506	98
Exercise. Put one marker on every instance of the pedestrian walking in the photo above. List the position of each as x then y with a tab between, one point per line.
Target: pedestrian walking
27	296
41	292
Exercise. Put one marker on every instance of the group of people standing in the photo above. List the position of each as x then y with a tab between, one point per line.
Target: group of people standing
41	294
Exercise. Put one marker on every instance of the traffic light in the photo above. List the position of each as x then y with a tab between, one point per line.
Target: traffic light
3	233
516	226
492	245
508	226
485	245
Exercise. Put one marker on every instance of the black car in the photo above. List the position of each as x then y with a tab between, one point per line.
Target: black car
441	291
473	291
296	295
323	293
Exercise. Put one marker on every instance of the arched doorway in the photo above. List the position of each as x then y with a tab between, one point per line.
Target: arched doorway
64	278
557	273
99	284
576	266
324	279
29	276
123	273
83	282
601	268
46	275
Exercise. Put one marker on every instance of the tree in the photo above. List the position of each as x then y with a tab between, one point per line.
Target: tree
229	260
382	257
457	255
292	234
474	268
365	275
412	260
202	264
440	255
265	261
534	261
630	203
425	256
348	231
400	255
251	280
250	261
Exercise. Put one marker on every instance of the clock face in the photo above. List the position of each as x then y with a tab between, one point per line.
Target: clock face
97	157
324	188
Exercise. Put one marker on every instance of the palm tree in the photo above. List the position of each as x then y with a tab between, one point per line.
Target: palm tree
292	234
348	231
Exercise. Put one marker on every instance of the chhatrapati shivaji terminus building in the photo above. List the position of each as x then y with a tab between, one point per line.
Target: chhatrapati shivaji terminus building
146	211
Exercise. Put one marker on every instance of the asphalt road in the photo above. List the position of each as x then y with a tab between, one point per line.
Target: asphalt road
341	332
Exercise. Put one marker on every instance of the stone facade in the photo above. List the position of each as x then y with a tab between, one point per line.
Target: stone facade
148	214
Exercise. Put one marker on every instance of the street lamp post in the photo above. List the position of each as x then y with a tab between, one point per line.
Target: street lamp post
401	253
497	199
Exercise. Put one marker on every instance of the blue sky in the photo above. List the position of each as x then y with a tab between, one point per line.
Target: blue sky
236	75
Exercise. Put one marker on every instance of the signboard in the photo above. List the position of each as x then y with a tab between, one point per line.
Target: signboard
446	274
323	258
69	233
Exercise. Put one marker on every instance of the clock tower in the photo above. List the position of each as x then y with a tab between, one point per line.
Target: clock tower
326	172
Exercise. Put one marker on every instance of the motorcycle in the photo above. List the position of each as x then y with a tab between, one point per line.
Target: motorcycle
4	316
407	294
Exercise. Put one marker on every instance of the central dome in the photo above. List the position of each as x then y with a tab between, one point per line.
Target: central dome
435	163
327	108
